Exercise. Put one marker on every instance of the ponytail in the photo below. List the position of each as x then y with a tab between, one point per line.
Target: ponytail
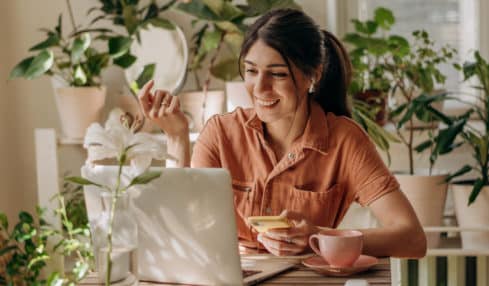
331	93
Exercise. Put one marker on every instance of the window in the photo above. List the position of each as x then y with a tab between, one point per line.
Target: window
453	22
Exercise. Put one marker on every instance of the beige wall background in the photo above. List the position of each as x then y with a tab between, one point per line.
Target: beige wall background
26	105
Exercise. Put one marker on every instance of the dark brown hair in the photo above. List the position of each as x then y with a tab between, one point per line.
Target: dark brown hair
298	39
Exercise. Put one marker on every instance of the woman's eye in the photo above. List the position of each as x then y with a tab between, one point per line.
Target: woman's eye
279	74
251	71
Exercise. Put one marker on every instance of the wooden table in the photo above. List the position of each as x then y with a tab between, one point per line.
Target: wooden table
301	275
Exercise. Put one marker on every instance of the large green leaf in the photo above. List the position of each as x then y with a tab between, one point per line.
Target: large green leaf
423	146
125	61
80	45
234	40
211	40
215	5
226	70
51	41
119	46
21	68
130	15
40	64
198	9
146	75
475	191
384	17
398	45
145	178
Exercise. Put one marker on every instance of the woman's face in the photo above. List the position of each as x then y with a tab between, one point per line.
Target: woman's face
269	82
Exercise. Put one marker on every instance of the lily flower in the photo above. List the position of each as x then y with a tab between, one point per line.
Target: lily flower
120	139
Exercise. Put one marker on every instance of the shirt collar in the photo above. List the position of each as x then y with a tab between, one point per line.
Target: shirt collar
315	134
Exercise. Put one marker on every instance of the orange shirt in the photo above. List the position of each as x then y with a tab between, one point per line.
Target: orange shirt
331	165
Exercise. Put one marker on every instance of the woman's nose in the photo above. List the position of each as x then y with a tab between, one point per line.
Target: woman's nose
262	84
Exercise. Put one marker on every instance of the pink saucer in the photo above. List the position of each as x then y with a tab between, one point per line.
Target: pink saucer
318	264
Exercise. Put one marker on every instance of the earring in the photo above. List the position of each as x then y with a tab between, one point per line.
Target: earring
311	87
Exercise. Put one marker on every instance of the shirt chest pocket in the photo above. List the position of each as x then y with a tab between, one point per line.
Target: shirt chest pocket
319	206
243	197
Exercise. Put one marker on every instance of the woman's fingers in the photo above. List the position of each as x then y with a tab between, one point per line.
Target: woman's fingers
156	103
279	247
145	97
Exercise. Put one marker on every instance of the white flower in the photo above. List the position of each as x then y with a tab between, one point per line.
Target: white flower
115	138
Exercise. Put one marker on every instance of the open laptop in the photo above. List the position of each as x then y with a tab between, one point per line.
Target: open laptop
186	227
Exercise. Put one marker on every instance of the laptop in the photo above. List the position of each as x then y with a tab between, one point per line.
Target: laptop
186	227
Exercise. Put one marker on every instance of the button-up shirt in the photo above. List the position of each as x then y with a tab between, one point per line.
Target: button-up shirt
332	164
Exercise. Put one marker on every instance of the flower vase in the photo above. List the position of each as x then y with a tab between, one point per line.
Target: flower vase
124	266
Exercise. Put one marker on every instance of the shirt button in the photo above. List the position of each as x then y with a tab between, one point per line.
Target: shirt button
268	210
291	156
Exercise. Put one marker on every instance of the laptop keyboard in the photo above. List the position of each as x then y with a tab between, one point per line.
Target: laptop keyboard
247	273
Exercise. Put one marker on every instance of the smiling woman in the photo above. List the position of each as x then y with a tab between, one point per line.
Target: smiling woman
296	153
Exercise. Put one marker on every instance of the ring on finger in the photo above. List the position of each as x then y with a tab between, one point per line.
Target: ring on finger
288	240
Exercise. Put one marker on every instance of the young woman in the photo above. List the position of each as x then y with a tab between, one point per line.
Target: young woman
296	152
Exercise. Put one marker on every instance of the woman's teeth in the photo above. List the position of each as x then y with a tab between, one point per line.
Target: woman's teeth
266	102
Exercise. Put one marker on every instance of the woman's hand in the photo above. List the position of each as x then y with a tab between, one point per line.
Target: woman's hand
163	109
290	241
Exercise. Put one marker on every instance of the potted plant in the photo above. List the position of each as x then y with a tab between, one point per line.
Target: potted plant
414	70
219	32
371	49
75	66
471	197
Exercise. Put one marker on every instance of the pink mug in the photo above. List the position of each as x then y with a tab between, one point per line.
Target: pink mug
340	248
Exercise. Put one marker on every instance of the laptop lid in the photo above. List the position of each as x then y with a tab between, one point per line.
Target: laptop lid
186	224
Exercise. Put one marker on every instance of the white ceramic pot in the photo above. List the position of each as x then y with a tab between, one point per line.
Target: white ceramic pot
237	96
192	104
78	107
427	195
473	216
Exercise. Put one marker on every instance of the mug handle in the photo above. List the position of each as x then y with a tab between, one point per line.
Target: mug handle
313	244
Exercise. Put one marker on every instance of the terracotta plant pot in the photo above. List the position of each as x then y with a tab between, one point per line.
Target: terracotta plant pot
192	104
427	195
78	107
473	216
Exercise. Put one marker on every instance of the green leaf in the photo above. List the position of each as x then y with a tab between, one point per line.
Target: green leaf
51	41
20	69
234	40
40	64
475	191
407	115
215	6
130	17
81	181
80	45
25	217
79	76
226	70
54	279
145	178
459	172
398	45
211	40
119	46
199	10
162	23
3	221
423	146
384	17
59	26
146	75
125	61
